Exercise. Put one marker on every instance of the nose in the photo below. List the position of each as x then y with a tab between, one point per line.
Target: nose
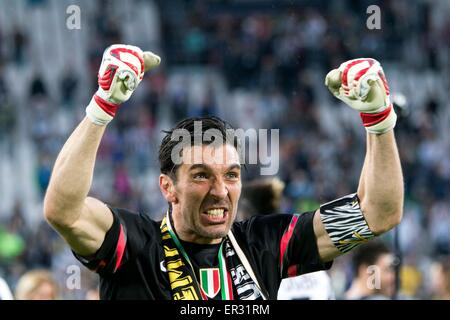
219	189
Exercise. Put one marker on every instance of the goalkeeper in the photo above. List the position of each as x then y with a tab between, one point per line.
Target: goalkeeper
197	251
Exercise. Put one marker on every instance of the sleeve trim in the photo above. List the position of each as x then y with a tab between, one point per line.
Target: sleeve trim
120	248
286	238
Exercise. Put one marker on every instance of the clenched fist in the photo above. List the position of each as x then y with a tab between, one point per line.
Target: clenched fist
361	84
121	71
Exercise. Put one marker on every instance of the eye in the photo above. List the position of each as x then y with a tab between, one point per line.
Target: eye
200	176
232	175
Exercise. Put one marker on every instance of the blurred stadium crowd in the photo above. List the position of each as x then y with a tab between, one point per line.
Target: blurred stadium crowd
258	64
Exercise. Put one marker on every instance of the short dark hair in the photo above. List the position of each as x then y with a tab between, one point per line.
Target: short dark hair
167	166
368	254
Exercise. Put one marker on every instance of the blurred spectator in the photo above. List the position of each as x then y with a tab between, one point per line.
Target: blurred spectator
93	293
410	282
37	285
441	280
262	196
7	112
12	240
439	222
20	41
374	276
68	87
38	87
43	173
122	184
41	254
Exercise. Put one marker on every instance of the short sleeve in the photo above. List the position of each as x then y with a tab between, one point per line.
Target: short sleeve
286	242
299	253
123	241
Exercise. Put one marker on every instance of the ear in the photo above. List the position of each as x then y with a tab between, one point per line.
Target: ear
167	187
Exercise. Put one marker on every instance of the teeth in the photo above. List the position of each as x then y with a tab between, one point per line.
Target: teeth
217	213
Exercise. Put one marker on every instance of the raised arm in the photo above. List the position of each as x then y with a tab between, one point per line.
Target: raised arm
380	188
362	85
83	221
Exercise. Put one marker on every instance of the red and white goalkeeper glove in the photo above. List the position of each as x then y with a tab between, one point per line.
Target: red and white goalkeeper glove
121	71
361	84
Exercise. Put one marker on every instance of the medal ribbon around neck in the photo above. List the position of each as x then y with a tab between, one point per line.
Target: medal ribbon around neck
226	288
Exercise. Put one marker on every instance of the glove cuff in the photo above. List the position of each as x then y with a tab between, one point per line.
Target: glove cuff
381	122
100	111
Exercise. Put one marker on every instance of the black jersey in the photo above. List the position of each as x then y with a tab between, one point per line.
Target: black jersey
131	264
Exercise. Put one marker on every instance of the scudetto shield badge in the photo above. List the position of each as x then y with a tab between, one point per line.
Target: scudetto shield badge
210	281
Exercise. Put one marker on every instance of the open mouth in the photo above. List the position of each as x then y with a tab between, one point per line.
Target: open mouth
215	215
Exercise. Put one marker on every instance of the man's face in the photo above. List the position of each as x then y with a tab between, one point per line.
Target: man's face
387	277
207	190
45	291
